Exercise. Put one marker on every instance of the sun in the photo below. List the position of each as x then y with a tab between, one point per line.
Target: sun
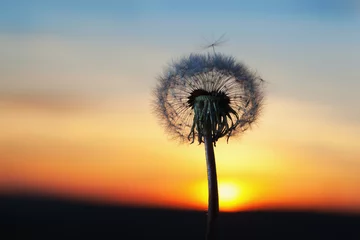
233	196
229	196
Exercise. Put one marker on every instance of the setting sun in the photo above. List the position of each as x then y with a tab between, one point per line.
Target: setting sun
233	196
229	196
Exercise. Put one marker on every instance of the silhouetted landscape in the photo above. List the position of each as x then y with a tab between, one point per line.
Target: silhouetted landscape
30	217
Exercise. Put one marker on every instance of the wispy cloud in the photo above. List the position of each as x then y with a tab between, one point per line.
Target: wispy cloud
43	101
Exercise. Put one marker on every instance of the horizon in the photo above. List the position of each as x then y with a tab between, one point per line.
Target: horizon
30	198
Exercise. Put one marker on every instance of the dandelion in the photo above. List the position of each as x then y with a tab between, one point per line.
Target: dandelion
205	97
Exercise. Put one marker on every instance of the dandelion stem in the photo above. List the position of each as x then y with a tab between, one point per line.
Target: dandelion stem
213	201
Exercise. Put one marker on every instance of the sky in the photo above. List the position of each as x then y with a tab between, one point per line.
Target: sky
76	121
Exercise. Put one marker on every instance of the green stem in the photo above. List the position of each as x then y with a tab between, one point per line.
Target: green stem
213	201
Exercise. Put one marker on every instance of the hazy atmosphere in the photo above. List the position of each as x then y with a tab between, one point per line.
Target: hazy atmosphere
76	121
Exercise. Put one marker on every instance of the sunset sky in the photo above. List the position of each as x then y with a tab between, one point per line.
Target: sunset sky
75	102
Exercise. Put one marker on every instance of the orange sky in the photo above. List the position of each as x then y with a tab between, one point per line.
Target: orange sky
112	152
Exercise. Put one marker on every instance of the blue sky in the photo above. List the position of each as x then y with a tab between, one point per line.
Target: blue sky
307	50
322	33
34	15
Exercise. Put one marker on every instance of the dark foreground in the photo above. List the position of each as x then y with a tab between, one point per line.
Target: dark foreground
45	218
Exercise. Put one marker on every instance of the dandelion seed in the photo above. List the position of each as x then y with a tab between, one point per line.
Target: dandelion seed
220	41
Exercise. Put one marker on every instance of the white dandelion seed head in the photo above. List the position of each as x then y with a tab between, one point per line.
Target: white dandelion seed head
212	90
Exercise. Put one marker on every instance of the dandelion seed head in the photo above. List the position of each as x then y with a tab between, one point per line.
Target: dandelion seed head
207	92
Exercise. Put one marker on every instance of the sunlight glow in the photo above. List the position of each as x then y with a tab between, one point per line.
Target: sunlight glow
229	196
233	196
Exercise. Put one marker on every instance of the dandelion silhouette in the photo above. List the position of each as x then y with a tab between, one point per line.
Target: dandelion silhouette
205	97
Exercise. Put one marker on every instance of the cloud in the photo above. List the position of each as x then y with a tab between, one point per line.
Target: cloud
40	63
43	101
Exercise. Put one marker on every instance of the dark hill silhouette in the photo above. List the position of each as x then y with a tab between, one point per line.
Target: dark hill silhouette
29	217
